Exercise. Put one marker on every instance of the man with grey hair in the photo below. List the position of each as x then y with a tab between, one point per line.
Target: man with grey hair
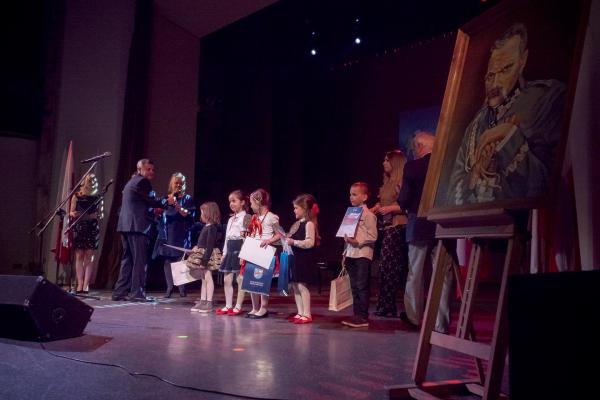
135	222
420	235
509	147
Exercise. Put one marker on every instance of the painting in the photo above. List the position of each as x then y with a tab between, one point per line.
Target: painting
503	124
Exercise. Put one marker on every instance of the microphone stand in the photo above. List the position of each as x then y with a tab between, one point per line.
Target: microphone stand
58	211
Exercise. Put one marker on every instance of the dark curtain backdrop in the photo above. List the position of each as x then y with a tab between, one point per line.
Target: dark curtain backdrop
271	117
132	139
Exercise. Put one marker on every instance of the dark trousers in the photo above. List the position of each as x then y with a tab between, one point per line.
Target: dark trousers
134	263
359	270
169	275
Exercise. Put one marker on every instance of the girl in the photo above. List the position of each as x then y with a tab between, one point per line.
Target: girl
392	223
304	235
87	231
209	238
263	225
236	229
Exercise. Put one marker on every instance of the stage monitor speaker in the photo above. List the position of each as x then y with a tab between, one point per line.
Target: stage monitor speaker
554	335
33	308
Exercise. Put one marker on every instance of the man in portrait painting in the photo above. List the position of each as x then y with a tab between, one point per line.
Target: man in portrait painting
508	148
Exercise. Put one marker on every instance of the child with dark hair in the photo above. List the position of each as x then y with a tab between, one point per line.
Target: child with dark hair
304	237
234	238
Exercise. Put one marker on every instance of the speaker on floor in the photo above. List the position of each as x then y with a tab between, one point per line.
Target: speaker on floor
554	335
33	308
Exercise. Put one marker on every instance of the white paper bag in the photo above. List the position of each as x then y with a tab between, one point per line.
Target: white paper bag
252	252
340	294
182	274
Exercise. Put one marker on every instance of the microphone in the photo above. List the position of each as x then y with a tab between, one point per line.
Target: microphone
98	157
107	185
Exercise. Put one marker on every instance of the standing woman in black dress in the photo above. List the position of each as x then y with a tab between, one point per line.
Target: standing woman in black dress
86	233
174	227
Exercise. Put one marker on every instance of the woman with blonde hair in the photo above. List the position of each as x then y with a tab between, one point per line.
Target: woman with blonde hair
174	225
392	224
86	233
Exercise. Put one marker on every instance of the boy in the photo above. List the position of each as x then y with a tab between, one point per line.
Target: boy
358	253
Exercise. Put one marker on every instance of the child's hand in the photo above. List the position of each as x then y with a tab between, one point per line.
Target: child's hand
289	241
350	240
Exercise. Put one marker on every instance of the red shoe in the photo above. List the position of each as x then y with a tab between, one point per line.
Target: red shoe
234	311
294	318
303	320
223	311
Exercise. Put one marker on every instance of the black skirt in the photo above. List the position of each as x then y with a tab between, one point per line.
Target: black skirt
231	261
86	235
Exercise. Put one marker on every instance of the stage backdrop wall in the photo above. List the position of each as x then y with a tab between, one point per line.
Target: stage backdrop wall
89	103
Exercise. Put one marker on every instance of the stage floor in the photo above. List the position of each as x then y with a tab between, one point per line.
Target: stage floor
219	357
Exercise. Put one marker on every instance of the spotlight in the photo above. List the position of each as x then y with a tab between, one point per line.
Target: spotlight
313	33
357	20
313	52
357	40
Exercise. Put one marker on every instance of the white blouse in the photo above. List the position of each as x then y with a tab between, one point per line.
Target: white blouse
235	227
269	223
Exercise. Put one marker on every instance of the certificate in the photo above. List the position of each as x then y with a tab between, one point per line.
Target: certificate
252	252
350	222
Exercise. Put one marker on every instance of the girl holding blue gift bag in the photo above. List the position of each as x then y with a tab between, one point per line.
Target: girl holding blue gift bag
304	236
263	226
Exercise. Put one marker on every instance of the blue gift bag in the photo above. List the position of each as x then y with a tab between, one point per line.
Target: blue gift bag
257	279
285	263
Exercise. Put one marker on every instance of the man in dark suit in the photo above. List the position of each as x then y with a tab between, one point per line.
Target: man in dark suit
420	235
135	223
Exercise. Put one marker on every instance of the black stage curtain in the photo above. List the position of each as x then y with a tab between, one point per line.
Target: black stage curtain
272	118
132	137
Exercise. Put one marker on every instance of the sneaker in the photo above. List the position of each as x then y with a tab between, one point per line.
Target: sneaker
356	322
198	306
207	307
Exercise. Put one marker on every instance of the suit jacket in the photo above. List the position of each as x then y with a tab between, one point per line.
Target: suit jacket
135	215
413	180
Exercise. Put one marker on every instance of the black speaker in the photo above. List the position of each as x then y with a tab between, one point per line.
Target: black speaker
33	308
554	335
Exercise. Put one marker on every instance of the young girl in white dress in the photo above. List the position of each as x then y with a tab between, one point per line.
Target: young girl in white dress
263	226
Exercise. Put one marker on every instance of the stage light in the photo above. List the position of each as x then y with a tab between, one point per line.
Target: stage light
313	52
182	337
313	33
357	20
357	40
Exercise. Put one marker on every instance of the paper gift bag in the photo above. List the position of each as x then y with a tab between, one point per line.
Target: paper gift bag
182	274
257	279
340	294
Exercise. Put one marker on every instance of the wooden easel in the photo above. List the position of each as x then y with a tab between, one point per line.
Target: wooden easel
489	224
